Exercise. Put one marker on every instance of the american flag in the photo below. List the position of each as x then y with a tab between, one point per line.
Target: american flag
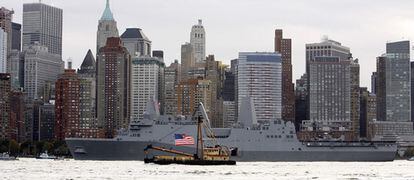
182	140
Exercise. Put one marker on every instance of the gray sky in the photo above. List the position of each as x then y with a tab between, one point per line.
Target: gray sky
241	25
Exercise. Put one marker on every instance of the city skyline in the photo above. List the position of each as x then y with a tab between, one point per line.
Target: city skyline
365	32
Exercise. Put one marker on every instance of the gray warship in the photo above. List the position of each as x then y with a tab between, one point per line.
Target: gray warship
247	140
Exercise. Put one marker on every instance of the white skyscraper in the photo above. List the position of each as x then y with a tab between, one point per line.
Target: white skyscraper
259	78
147	82
198	40
3	51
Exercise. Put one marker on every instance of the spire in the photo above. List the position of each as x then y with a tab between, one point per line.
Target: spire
107	15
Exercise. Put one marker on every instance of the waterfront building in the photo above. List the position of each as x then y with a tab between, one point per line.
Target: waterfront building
136	42
198	41
107	27
228	96
147	83
394	91
67	105
43	24
17	116
40	67
214	71
259	78
368	113
333	102
172	75
284	47
113	87
17	68
5	92
47	122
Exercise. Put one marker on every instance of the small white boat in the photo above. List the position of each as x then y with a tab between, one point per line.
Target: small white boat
411	159
45	155
6	157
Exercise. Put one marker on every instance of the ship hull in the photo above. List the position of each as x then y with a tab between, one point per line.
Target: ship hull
109	149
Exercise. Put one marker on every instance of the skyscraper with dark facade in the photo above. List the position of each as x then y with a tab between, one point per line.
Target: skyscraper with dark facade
5	93
374	77
67	105
43	24
284	47
394	91
16	37
113	87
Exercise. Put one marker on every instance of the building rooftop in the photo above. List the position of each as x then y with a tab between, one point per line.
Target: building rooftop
134	33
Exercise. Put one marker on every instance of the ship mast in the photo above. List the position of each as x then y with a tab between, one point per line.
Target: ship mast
200	153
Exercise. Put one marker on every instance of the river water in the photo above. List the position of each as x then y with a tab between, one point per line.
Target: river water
32	169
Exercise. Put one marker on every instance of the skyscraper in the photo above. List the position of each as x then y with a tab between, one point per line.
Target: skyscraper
374	77
67	105
43	24
394	91
87	78
172	79
214	71
259	78
190	93
187	60
5	91
198	41
40	67
3	51
136	42
284	47
106	27
113	87
147	83
16	36
6	17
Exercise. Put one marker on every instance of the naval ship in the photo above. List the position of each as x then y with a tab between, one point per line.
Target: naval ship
248	141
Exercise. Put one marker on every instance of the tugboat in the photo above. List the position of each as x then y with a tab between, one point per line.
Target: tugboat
6	157
45	155
217	155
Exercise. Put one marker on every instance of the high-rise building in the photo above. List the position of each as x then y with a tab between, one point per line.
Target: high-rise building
3	51
198	41
214	71
412	91
6	17
368	113
332	97
229	113
40	67
87	78
190	93
17	110
259	78
394	91
147	83
43	24
374	77
16	37
284	47
113	87
67	105
5	92
301	105
229	103
17	68
106	28
172	78
47	122
136	42
187	60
